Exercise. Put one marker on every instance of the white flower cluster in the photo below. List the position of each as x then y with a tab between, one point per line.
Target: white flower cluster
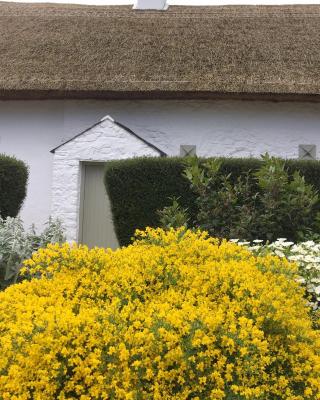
305	254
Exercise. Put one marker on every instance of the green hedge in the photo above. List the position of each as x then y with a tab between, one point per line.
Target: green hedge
139	187
13	185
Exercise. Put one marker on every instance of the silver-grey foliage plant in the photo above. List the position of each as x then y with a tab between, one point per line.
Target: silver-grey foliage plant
17	244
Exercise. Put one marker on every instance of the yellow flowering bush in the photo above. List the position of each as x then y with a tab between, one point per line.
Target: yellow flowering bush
175	315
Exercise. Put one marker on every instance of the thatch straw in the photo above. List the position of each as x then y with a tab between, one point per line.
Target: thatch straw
112	51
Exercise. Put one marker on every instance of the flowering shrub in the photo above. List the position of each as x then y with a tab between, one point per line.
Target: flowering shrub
306	255
176	315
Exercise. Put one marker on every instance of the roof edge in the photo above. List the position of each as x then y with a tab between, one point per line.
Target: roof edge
128	130
161	153
9	95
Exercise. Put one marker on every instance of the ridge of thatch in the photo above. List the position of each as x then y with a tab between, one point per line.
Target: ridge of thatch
54	50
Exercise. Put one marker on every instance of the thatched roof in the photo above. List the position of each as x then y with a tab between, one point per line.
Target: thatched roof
53	50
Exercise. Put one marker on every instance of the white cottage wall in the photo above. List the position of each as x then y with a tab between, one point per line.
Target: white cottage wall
30	129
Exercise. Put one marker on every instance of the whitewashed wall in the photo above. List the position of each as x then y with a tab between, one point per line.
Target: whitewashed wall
30	129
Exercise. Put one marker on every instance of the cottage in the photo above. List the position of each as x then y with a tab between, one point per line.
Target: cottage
228	80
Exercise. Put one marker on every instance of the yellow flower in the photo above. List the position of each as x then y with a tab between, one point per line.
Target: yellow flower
176	315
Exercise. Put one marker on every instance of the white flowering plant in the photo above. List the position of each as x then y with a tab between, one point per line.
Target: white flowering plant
305	254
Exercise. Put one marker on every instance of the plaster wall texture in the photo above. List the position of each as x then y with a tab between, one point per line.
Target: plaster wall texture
30	129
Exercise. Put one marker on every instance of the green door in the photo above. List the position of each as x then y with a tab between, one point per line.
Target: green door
96	225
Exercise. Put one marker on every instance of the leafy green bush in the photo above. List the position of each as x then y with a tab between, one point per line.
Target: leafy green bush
289	206
266	204
139	187
16	245
13	185
174	216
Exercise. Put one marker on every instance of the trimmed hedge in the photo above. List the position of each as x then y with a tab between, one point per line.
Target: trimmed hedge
13	185
139	187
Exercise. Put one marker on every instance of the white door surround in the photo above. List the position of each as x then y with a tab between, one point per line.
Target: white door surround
107	140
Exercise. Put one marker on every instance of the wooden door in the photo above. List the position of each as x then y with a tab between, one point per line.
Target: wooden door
96	225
